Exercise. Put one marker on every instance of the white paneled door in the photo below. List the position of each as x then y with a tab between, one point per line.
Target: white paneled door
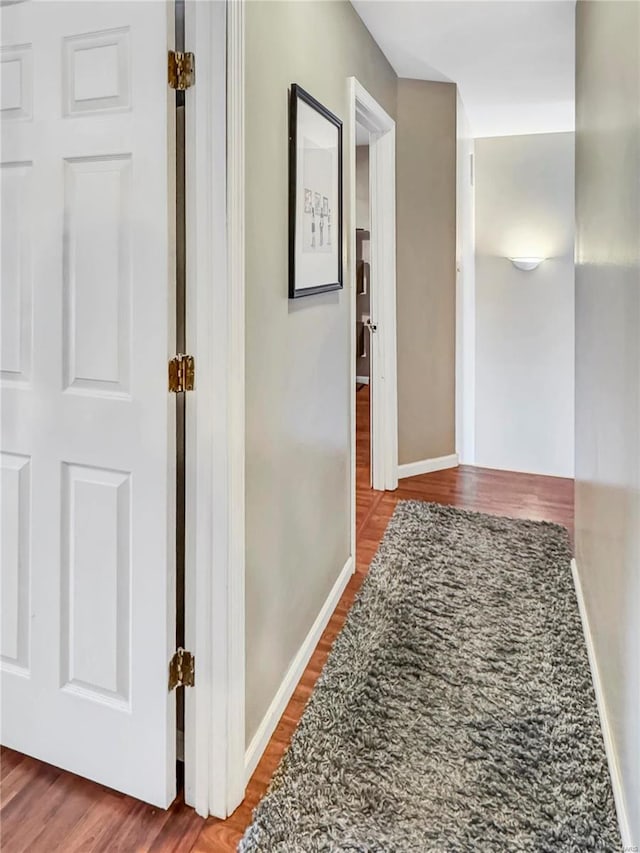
87	443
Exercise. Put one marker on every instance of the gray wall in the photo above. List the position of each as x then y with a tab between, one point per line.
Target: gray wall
297	353
426	268
608	364
525	320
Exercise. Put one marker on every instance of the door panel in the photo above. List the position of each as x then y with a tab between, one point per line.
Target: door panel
88	428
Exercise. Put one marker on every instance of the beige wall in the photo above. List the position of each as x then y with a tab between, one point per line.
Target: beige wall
297	352
524	360
426	264
608	365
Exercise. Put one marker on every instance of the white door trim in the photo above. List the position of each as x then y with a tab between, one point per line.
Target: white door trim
214	724
382	193
426	466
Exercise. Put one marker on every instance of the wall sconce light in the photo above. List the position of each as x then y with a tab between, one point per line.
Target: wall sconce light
526	264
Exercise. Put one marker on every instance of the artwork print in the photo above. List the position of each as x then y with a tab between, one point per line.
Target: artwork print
317	220
315	197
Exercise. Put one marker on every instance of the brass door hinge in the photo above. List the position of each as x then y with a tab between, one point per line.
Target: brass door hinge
182	669
182	371
182	70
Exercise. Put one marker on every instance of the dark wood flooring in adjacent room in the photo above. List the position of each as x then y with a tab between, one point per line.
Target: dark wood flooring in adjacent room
44	809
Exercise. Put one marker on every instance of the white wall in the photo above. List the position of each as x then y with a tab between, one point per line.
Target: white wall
524	197
465	289
608	373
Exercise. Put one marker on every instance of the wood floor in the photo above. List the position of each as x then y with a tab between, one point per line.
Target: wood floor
44	809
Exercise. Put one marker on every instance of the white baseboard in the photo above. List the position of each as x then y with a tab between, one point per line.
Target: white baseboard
362	380
425	466
612	759
276	708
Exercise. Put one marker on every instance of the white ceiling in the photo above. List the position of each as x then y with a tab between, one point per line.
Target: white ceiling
513	60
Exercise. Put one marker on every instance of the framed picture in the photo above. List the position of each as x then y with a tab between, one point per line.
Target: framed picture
315	196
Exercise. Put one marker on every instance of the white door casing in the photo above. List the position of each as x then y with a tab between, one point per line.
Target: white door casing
214	724
87	430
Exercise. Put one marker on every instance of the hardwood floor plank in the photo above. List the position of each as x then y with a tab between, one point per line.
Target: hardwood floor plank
17	777
9	760
99	823
23	816
80	806
179	833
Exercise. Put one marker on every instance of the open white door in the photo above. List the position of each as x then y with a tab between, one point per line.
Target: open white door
88	445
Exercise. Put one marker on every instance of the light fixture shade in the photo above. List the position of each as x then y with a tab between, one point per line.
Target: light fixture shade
526	264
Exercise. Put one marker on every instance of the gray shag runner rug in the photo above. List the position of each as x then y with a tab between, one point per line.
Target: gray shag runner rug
456	710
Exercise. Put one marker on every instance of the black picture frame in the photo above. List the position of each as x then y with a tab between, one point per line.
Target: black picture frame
296	287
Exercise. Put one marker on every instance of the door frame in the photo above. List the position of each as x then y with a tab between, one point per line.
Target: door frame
215	457
214	747
365	110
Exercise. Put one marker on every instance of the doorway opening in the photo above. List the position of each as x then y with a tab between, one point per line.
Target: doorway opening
363	310
374	407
